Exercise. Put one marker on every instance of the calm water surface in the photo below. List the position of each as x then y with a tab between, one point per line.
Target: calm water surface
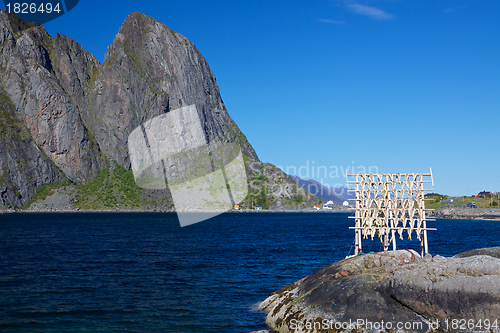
128	272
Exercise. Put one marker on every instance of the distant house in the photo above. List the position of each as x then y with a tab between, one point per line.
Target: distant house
317	207
237	207
328	205
345	203
258	207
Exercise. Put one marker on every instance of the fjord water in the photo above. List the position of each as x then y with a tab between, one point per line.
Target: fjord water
142	272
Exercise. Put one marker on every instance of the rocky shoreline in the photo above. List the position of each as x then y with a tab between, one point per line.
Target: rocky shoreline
62	201
366	292
454	212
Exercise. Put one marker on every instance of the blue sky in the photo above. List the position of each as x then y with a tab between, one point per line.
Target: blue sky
400	85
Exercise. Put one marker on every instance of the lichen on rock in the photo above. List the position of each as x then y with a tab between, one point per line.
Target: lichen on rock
390	287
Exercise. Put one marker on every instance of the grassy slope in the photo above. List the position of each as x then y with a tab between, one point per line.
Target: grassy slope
115	188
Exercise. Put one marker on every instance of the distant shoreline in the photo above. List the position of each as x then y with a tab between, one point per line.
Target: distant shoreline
444	212
464	213
246	211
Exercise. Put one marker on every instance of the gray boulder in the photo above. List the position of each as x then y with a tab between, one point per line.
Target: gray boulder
365	292
489	251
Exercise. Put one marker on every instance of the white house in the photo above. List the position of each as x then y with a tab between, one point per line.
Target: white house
328	205
345	203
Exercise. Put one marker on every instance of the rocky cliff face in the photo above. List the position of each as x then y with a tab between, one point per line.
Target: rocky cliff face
359	294
149	70
29	65
78	113
23	166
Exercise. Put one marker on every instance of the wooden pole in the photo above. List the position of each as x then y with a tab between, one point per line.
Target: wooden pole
393	231
426	246
357	238
424	221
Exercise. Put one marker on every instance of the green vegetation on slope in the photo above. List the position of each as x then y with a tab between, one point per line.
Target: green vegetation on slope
114	187
257	196
45	191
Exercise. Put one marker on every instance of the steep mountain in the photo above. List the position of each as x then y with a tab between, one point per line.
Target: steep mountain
149	70
43	137
29	63
70	117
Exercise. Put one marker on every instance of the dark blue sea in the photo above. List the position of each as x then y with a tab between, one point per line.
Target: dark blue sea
142	272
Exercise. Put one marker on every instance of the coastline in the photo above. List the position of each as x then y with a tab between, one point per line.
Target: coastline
62	201
119	210
444	212
463	213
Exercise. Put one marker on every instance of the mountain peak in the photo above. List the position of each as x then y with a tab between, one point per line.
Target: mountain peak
15	22
142	23
149	70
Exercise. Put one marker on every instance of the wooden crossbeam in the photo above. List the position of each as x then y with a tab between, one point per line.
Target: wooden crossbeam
389	189
408	218
389	174
387	192
396	228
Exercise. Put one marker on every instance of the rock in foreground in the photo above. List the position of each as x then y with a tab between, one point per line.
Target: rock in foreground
393	291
